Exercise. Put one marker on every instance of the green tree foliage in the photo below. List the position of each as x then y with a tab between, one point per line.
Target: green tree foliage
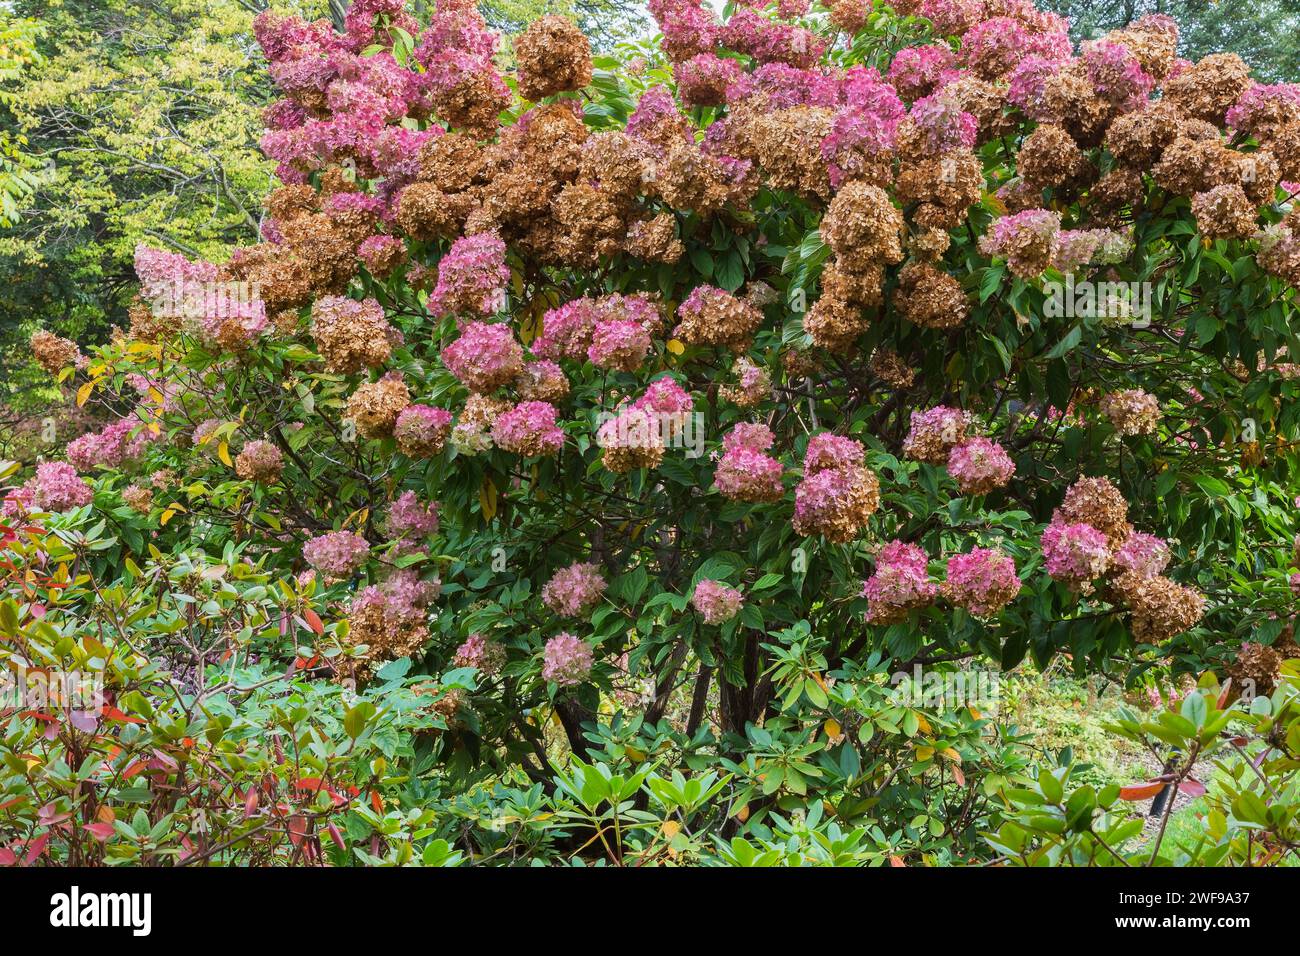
1266	34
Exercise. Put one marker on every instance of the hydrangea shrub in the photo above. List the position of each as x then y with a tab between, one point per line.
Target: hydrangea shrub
677	398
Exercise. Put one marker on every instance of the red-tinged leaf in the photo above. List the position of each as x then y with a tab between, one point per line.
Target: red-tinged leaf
49	814
36	848
1140	791
37	610
37	715
9	803
336	837
7	857
959	776
311	784
896	861
375	802
1240	741
1192	787
112	713
313	621
100	831
1223	694
250	802
297	829
134	769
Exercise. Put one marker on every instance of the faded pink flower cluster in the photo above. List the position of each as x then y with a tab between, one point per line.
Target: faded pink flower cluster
575	590
566	660
471	276
1075	553
716	602
485	357
529	429
337	553
745	472
901	583
983	581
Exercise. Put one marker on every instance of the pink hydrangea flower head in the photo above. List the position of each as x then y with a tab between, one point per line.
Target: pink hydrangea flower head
529	429
472	276
479	652
827	450
1143	554
485	357
336	553
944	126
915	70
901	583
421	430
57	487
979	466
1075	553
716	602
409	517
566	660
665	397
983	581
1116	74
574	591
619	344
704	78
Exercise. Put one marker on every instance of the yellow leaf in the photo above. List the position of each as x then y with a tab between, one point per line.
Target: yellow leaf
924	753
487	498
676	346
974	713
223	452
951	754
167	516
832	728
671	828
83	393
922	724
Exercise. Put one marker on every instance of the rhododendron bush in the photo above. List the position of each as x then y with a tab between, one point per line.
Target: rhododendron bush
606	430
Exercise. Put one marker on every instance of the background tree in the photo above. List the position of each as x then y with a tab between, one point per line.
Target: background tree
1266	34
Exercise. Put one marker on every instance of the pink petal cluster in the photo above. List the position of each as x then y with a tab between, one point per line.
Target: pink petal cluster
901	583
422	430
472	277
56	487
566	660
979	466
745	472
479	652
1075	553
944	126
409	517
704	78
336	553
716	602
575	590
1144	554
529	429
983	581
665	397
485	357
110	446
915	70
